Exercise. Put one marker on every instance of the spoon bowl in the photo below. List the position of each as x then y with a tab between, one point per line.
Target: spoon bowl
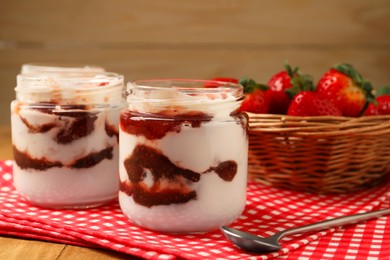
250	242
257	244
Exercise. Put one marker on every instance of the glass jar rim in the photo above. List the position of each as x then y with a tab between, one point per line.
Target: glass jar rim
59	68
180	95
40	82
186	85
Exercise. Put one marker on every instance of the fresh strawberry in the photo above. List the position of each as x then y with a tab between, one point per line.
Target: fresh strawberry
372	110
223	79
382	106
346	88
278	83
284	85
309	103
278	101
282	80
255	100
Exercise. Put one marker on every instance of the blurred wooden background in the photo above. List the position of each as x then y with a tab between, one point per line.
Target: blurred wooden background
194	38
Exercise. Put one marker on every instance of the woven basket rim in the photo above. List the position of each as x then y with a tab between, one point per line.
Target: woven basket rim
323	125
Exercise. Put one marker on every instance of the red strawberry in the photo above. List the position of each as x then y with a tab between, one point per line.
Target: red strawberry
346	88
282	80
309	103
255	100
372	110
223	79
278	83
278	101
284	85
382	106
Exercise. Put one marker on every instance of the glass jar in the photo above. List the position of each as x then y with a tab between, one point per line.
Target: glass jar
60	69
65	138
183	155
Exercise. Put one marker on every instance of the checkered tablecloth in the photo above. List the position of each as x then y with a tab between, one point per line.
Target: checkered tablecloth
268	210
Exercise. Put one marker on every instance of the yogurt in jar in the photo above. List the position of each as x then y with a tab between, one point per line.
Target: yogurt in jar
65	138
183	155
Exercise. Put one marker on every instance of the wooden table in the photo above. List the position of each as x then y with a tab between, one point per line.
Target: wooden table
18	248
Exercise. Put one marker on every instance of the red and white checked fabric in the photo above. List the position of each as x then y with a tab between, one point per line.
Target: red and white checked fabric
268	210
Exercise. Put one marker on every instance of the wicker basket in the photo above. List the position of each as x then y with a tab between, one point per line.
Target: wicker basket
319	154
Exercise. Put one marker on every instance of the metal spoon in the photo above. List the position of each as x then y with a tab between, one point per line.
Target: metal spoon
258	244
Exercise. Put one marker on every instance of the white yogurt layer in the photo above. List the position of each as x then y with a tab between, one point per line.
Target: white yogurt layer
218	202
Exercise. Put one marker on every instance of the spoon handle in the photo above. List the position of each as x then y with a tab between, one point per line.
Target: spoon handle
351	219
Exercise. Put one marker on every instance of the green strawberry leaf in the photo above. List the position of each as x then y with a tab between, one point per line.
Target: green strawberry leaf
291	72
385	90
300	82
350	71
370	98
251	85
367	87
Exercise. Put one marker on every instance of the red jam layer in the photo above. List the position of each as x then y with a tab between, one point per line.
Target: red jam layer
25	161
156	126
146	159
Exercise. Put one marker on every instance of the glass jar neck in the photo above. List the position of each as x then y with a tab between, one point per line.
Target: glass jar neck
60	70
102	88
180	96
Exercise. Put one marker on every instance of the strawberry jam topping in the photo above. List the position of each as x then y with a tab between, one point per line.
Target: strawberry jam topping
156	126
144	160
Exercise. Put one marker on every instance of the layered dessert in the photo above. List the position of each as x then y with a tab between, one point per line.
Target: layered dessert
65	139
183	158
